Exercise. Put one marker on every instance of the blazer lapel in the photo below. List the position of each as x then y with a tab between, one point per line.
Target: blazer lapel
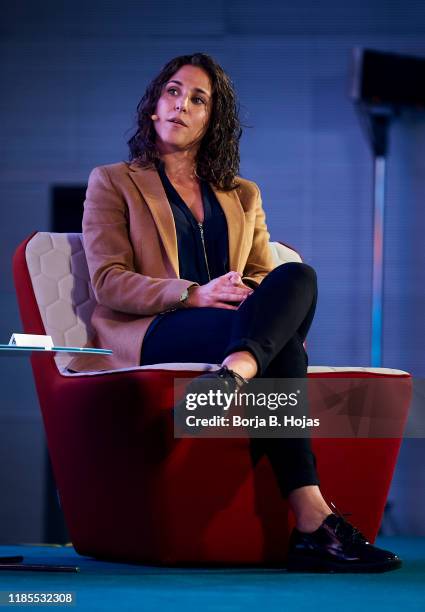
149	184
233	211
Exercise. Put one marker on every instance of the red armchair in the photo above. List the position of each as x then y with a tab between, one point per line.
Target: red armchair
129	490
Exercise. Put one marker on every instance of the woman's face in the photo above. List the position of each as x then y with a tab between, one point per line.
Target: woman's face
186	99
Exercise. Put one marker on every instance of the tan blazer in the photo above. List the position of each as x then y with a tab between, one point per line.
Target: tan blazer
131	248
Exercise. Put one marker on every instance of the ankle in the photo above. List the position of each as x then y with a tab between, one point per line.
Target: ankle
311	521
242	363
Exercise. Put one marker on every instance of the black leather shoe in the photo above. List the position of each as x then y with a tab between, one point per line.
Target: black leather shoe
224	380
337	546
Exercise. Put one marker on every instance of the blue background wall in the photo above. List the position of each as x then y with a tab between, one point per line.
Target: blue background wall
72	74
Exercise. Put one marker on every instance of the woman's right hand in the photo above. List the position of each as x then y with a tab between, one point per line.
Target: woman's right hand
227	291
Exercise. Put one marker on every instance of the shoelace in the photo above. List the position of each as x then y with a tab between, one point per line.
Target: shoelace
346	530
240	380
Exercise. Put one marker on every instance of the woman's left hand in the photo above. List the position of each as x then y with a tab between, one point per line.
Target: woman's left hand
235	280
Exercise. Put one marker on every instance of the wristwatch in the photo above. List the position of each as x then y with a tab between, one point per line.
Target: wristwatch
184	297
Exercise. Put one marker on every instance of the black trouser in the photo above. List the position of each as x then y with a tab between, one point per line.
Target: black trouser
272	324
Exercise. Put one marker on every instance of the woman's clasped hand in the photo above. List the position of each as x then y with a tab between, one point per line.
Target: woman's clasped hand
226	291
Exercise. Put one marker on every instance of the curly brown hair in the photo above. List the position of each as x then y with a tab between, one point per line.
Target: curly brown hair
218	157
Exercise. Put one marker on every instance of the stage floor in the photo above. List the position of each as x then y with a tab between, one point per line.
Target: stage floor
112	586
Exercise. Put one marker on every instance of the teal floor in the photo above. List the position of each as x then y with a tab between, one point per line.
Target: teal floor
112	586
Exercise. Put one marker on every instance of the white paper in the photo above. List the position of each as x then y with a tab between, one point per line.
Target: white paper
31	340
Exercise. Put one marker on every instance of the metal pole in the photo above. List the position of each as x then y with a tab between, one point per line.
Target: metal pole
378	252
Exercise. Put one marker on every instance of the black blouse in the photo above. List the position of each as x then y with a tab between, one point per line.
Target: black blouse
203	248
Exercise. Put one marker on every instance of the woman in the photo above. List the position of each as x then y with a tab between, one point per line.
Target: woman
177	248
